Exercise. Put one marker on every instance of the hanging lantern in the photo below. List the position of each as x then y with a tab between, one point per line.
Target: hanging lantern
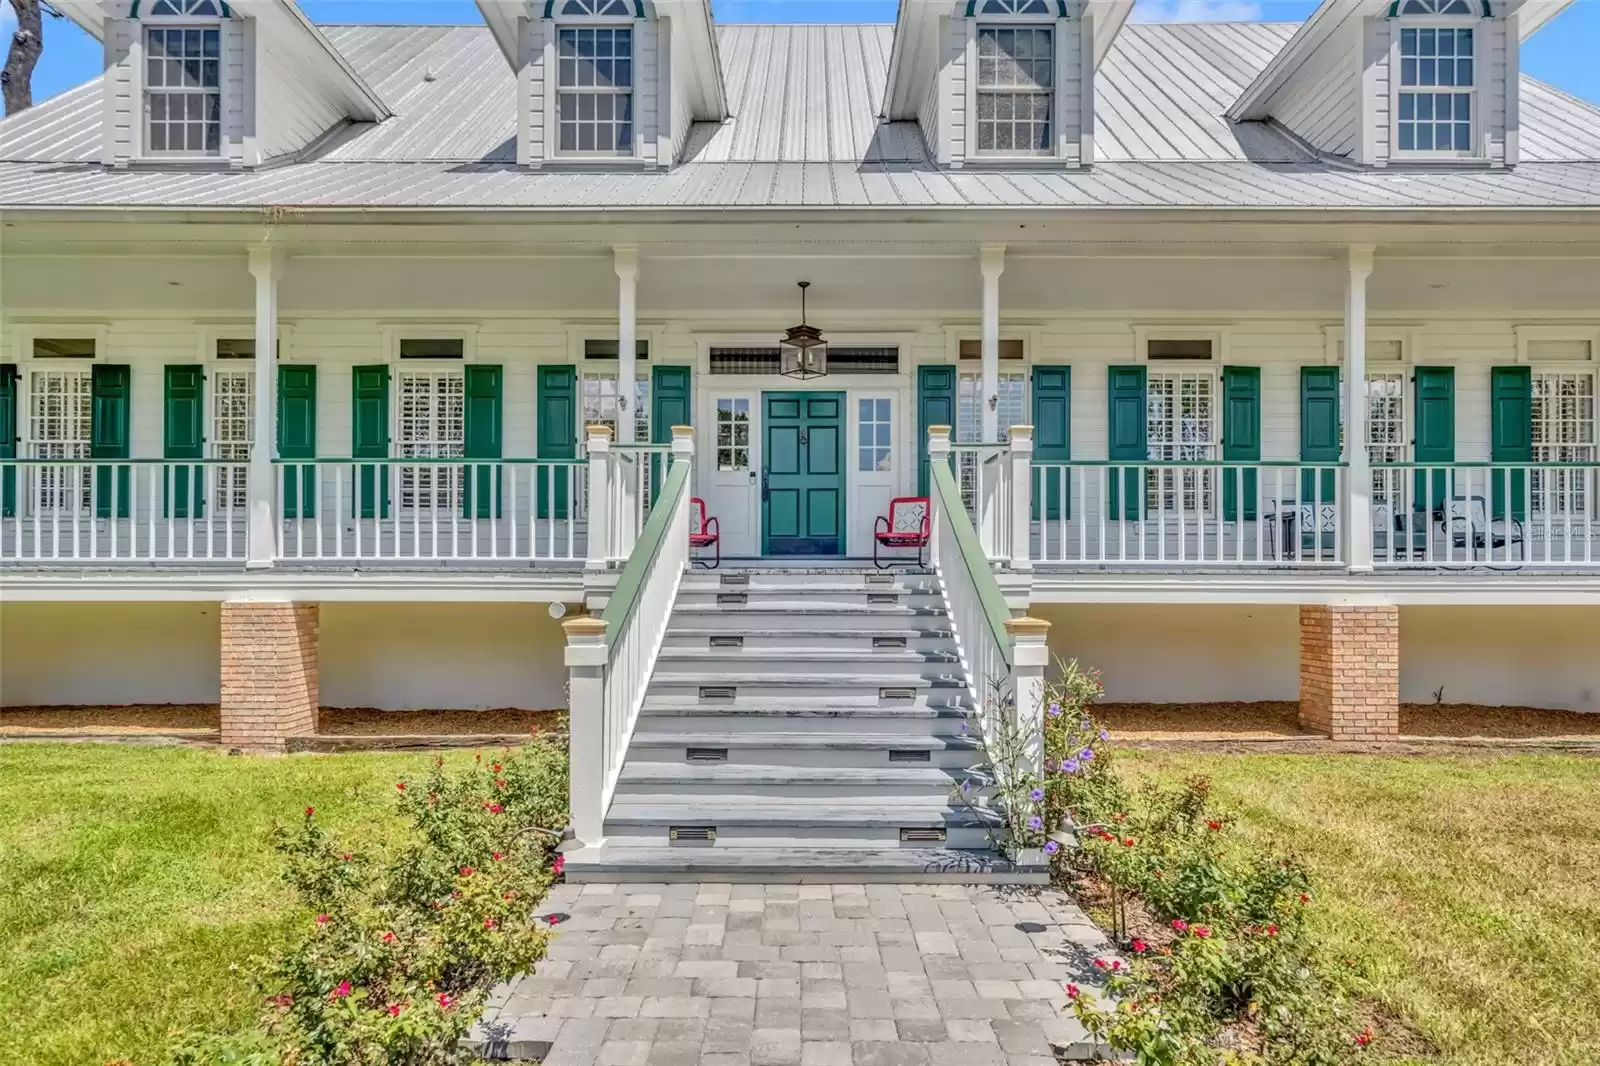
803	353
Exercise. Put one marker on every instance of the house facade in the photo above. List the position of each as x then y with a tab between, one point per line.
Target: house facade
1245	361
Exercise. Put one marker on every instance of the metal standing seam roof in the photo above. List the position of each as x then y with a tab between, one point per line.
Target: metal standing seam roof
804	131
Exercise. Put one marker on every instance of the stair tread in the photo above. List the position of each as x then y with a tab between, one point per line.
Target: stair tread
712	710
795	812
734	773
886	609
808	655
913	632
883	680
811	861
777	739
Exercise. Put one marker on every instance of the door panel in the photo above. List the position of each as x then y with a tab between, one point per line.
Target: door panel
803	490
732	470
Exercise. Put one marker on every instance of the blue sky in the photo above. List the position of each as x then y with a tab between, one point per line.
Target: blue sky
1562	53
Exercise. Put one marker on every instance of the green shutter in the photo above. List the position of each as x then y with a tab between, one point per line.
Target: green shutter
1319	431
297	438
8	438
109	387
1436	432
670	405
936	406
482	432
557	435
1052	440
1127	438
183	437
1511	435
1241	439
369	438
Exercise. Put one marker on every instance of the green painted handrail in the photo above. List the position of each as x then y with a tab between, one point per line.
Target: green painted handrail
36	461
625	597
1487	465
418	460
976	560
1158	464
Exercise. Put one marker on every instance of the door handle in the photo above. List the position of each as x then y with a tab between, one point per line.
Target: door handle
764	489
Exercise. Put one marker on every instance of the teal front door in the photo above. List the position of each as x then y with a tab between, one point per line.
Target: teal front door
802	475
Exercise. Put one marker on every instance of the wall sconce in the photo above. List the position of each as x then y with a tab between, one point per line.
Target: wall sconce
994	402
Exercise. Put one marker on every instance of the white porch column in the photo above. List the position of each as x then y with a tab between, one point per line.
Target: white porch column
597	443
261	544
1030	654
1021	474
992	261
1358	470
626	261
586	679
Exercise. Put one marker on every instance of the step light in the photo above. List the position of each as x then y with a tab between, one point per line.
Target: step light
707	755
692	834
889	642
897	693
735	580
732	599
727	642
879	579
910	755
922	836
718	692
883	597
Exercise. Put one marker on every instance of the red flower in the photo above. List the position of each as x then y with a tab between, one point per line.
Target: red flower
1272	929
322	919
1364	1037
1179	925
1139	946
1304	898
342	991
347	856
1128	842
400	785
497	856
1116	964
310	811
1099	964
496	767
1214	825
495	808
467	871
499	782
445	1001
388	937
488	923
1072	991
1202	931
394	1010
559	865
552	919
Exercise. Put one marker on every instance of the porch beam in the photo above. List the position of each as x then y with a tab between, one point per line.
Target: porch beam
992	262
625	259
1358	470
266	266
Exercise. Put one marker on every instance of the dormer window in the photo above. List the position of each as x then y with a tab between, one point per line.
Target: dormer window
1436	100
183	78
1016	89
594	79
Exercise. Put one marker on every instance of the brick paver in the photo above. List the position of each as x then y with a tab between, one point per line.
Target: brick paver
800	975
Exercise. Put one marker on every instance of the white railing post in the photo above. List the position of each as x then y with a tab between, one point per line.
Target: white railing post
1030	654
261	540
586	659
598	504
1358	485
1021	546
938	452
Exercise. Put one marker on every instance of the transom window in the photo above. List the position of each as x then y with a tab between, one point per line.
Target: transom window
183	90
1435	102
594	94
59	427
617	8
1181	416
1386	434
733	434
874	433
1016	89
1015	7
432	424
232	431
1431	7
188	9
1564	417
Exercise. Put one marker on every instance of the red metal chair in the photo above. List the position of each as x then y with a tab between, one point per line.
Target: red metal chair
908	525
704	532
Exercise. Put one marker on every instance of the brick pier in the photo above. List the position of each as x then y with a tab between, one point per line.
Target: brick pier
1350	671
269	673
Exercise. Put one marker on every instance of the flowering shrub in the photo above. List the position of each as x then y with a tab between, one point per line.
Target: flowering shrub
400	950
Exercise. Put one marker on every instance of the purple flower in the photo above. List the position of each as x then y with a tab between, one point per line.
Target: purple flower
1054	710
1036	822
963	726
1086	755
1086	725
1104	735
1069	766
966	786
1051	847
1036	795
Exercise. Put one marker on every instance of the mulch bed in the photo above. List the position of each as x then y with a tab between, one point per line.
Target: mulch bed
201	723
1269	720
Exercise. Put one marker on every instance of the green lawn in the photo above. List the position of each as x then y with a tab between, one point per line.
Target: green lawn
135	883
1467	890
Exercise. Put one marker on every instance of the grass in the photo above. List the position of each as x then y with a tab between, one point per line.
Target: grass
1466	891
136	883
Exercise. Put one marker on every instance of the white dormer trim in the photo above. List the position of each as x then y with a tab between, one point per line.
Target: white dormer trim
611	15
1400	23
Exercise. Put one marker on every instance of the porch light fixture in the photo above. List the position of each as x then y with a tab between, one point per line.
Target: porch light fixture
802	353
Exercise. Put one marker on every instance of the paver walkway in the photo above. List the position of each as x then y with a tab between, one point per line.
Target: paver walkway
800	975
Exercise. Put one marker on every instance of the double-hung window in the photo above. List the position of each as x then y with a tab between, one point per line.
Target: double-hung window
1181	422
1564	426
233	423
432	425
1016	89
1387	438
60	424
594	82
183	78
1436	100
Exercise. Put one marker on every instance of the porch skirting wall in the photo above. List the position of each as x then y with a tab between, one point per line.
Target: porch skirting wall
269	673
1350	671
108	654
1546	657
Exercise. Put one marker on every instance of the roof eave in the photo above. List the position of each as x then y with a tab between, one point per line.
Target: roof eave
1534	15
1255	102
1109	17
361	102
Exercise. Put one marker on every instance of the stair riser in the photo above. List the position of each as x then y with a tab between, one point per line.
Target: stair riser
732	793
744	619
830	724
841	600
707	668
671	691
862	579
640	754
810	640
781	836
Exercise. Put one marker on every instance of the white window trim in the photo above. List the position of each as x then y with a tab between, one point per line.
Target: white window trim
1480	147
1592	486
1333	345
207	336
552	91
579	335
136	59
1529	334
1059	144
28	332
393	334
954	335
1220	337
1207	485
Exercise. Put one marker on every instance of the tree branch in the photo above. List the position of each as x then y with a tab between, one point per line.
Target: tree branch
27	45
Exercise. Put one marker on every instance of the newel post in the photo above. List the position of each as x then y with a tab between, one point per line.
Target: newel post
598	504
1021	546
1030	654
938	452
586	657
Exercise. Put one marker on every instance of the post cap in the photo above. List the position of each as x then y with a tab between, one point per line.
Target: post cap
598	431
1020	432
682	431
585	626
1027	626
938	431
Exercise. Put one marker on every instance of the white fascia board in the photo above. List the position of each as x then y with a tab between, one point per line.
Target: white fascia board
914	55
1533	15
322	63
501	18
89	15
1109	18
1255	103
694	18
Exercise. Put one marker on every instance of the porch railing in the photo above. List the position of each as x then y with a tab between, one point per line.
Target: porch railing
624	486
1188	514
611	658
1537	515
96	511
419	510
